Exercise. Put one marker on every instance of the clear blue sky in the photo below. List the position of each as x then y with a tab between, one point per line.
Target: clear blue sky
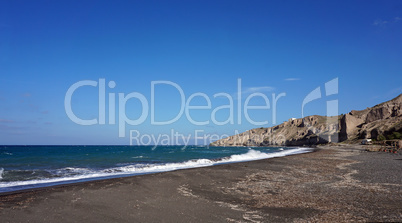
276	47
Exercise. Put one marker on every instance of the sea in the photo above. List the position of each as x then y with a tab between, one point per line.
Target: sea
27	167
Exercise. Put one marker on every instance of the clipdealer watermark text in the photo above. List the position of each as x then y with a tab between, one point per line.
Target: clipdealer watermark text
147	110
148	107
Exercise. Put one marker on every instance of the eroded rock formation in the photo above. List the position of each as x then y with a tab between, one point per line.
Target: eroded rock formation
381	119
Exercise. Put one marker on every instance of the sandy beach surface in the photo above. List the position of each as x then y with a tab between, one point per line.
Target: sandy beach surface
333	184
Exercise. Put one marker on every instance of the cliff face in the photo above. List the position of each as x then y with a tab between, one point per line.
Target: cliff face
305	131
372	122
369	123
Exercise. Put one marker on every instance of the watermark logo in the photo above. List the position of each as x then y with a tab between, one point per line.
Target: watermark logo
330	131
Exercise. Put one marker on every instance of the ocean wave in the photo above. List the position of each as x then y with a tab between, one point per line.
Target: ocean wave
73	174
73	171
257	155
1	173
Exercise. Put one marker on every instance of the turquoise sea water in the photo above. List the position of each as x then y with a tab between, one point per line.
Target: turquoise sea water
24	167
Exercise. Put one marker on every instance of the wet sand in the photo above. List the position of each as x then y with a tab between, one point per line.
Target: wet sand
333	184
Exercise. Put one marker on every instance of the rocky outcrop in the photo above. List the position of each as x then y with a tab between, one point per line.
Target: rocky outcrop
349	124
305	131
372	122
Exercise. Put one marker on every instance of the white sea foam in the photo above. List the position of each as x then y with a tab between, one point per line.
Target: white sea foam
76	170
84	173
1	173
137	157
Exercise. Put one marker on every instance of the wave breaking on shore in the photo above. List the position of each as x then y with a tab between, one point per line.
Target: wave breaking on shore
74	174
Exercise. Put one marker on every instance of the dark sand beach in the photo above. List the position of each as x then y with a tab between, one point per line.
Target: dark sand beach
333	184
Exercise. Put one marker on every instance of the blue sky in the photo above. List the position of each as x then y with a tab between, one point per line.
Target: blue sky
274	47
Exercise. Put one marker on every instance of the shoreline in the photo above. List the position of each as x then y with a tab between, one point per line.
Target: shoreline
219	161
333	183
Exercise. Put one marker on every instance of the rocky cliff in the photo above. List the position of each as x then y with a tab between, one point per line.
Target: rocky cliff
375	122
370	123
